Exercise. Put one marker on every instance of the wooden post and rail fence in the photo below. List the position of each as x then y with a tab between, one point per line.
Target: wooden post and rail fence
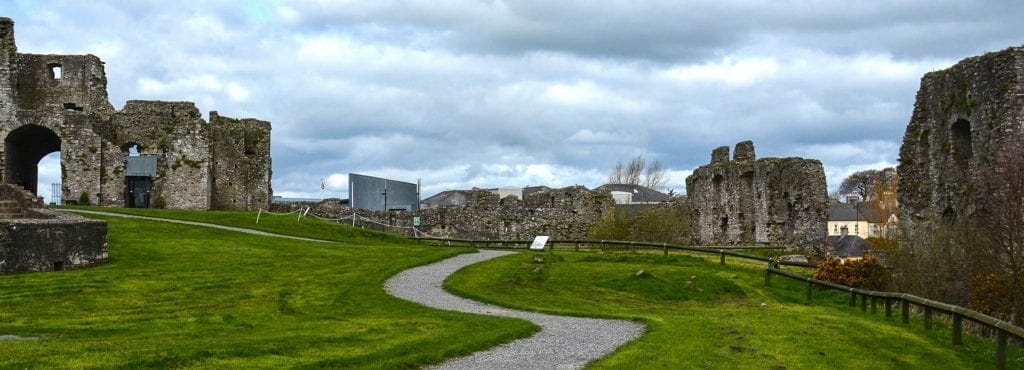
723	251
1003	330
929	308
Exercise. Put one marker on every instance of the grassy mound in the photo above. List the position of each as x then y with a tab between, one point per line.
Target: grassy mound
184	296
736	322
598	275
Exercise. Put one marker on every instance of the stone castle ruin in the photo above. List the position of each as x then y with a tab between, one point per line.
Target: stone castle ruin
967	123
33	238
566	213
52	103
778	201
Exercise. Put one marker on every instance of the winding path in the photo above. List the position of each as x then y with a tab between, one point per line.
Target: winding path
563	342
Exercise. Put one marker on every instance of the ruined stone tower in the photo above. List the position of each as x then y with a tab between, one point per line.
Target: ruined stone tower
778	201
968	121
149	152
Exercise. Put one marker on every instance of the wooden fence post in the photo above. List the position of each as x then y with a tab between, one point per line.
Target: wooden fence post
927	318
888	307
768	276
957	328
665	245
874	305
864	302
905	311
853	298
722	253
809	291
1001	350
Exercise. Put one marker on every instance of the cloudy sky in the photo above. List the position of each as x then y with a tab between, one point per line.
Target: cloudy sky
468	94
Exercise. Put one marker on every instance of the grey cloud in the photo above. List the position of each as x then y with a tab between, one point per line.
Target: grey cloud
472	94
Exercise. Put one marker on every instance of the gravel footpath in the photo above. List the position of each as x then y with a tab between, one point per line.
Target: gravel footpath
563	342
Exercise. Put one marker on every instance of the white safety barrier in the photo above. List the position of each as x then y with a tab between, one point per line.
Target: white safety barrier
353	217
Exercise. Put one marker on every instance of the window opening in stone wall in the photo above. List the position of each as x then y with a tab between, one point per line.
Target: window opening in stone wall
131	149
725	224
949	215
56	70
960	136
717	182
249	144
73	107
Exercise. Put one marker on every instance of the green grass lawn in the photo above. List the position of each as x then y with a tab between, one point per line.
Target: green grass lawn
309	226
704	315
184	296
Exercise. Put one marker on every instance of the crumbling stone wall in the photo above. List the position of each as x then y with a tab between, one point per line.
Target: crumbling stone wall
241	162
965	118
37	239
778	201
59	102
175	133
566	213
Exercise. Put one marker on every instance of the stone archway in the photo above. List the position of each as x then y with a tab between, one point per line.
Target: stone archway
24	147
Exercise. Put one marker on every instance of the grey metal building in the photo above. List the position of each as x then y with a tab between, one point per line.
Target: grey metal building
380	194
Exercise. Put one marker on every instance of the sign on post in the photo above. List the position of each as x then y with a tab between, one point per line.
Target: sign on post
539	242
416	221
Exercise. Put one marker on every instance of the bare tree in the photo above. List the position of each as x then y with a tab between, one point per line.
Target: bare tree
639	172
616	177
882	197
654	175
996	245
635	170
978	260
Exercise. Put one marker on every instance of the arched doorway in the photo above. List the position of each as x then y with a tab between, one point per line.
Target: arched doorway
25	146
49	178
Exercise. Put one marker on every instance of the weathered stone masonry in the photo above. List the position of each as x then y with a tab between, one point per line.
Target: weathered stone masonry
967	122
778	201
54	103
37	239
566	213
